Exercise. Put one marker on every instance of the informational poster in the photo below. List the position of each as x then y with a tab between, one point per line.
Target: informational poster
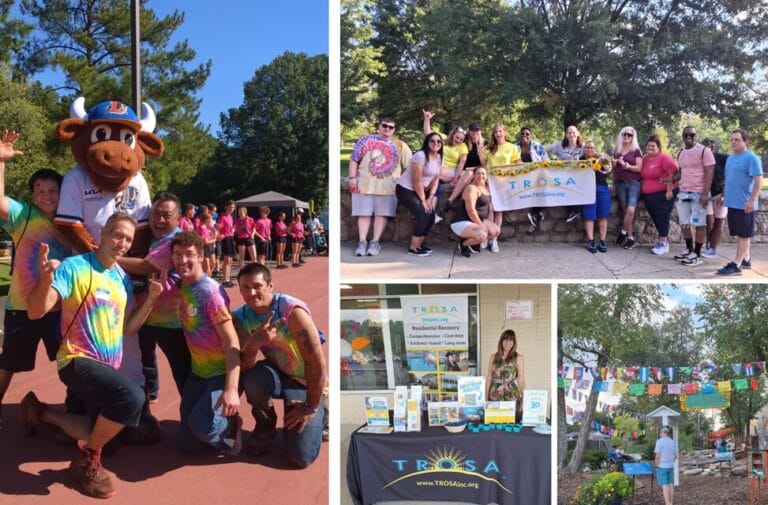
376	411
436	331
518	310
535	406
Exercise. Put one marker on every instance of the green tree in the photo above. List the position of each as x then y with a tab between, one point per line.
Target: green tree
89	42
278	138
12	33
600	325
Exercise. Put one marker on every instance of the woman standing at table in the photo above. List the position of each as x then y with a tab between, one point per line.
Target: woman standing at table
415	188
499	152
506	372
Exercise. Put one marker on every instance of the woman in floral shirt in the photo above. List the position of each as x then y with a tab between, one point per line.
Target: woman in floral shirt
506	377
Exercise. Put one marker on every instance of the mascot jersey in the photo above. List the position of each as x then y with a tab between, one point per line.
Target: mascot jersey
82	202
283	351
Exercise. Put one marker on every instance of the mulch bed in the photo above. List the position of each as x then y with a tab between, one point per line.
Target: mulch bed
693	490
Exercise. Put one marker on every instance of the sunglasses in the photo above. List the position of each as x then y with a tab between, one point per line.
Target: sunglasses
435	141
387	126
688	135
628	134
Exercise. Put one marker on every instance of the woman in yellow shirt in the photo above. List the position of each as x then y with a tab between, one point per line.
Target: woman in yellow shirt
499	152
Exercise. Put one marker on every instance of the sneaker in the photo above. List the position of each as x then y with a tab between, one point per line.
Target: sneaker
692	260
630	243
621	238
746	264
474	249
535	218
424	249
438	218
683	254
31	411
591	246
259	441
464	250
233	438
602	247
730	269
417	252
361	248
484	244
494	244
709	253
660	248
373	248
88	473
573	216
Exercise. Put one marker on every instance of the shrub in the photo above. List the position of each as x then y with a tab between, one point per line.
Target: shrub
594	458
603	490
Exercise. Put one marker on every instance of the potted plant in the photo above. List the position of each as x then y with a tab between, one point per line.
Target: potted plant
606	490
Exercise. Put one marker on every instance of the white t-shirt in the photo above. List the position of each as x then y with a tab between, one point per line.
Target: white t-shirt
430	170
666	448
82	202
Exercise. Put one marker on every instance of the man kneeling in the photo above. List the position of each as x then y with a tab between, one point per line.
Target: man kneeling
281	327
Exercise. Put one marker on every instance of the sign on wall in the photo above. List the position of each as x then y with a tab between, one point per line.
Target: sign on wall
518	310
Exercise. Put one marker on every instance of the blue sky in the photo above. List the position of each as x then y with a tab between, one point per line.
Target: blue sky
239	37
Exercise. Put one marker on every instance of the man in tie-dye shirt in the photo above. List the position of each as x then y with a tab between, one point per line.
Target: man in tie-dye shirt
29	226
163	326
96	299
281	327
212	341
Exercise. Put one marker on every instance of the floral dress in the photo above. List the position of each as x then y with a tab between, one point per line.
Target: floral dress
504	382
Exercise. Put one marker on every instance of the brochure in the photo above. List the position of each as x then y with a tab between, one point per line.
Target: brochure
401	408
440	413
471	393
376	411
500	412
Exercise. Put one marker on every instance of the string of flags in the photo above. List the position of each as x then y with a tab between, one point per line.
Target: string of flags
647	373
637	389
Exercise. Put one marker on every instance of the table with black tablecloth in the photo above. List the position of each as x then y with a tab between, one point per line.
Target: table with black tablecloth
487	467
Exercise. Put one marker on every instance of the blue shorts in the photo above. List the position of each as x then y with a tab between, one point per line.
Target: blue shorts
601	209
741	224
628	193
665	476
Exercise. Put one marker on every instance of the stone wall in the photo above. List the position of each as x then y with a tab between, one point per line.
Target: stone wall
517	228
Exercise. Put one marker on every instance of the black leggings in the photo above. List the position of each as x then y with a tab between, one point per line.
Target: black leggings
410	200
659	208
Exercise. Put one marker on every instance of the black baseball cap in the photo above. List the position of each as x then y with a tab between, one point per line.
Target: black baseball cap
474	127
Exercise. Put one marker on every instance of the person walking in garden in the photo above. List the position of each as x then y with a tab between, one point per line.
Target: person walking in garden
666	454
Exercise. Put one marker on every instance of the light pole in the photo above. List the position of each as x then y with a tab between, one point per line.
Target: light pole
136	57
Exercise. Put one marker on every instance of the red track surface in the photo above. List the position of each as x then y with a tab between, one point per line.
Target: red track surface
35	470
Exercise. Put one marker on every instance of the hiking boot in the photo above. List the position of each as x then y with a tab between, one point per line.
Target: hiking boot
259	441
361	248
31	412
89	475
233	438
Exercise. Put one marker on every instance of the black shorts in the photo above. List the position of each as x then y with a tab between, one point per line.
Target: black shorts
282	240
245	242
209	250
298	240
228	246
104	390
217	249
741	224
22	337
261	247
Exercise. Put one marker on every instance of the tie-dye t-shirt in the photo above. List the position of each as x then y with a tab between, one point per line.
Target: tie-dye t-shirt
40	229
203	305
165	312
283	351
97	329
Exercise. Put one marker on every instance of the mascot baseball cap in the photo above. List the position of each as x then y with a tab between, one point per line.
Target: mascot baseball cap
114	112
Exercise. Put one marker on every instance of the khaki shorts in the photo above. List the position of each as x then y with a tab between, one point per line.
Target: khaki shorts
718	210
373	205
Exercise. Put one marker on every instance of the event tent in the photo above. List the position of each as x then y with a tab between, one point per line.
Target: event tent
273	199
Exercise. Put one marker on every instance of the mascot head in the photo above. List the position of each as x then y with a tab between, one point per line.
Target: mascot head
110	142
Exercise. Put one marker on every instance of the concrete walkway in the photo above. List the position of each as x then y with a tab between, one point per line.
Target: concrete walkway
542	261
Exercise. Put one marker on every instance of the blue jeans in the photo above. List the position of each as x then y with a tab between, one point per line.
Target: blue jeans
264	382
200	424
628	193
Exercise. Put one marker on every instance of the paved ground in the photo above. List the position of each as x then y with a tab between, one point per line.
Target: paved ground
541	261
34	470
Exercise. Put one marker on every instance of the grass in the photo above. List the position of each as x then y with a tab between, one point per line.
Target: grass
346	152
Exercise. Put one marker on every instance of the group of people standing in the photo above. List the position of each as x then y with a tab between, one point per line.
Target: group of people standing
704	186
85	306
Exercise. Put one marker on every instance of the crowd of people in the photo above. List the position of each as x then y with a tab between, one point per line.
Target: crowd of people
705	186
85	305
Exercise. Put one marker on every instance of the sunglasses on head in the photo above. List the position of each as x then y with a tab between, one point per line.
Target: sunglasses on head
387	126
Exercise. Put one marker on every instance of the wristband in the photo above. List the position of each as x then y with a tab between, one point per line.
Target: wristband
313	409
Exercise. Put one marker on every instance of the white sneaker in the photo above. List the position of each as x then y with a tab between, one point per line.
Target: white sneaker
709	253
362	246
682	254
373	248
438	218
484	244
494	245
660	248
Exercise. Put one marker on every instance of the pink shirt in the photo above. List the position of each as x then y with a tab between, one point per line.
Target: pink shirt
226	225
654	169
297	229
281	229
245	227
692	162
186	224
263	227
